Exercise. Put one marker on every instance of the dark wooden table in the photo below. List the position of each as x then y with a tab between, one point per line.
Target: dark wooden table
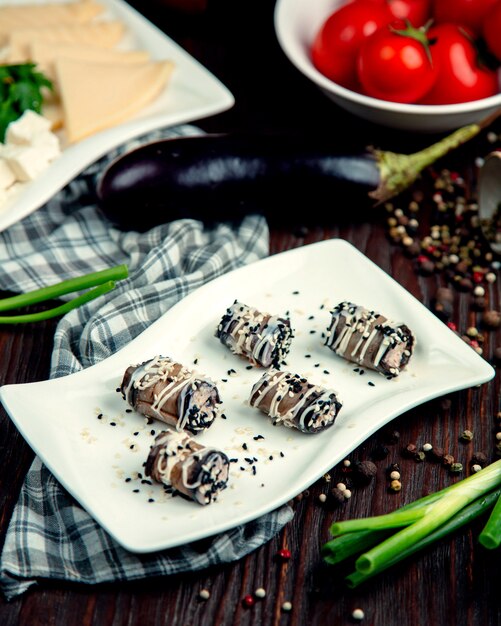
454	582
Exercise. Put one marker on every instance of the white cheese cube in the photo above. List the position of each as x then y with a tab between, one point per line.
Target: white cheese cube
7	176
27	162
49	142
23	130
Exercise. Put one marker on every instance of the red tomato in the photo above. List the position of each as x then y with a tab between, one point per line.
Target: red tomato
335	48
492	30
460	78
469	13
395	66
418	12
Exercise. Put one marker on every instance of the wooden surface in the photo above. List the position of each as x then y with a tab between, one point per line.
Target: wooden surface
455	582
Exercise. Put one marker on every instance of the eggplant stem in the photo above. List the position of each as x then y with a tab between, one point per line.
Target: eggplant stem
399	171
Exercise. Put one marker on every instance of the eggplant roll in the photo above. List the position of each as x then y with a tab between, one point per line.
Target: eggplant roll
168	391
198	472
291	400
369	339
261	338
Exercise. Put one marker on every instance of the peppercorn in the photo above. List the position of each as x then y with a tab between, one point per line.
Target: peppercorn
447	460
364	472
337	495
284	554
437	454
466	435
395	485
380	452
455	468
479	458
409	450
391	436
394	467
420	456
465	284
497	354
491	319
479	303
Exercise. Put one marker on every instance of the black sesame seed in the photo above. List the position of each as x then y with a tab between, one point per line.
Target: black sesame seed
135	491
128	410
113	423
371	383
100	416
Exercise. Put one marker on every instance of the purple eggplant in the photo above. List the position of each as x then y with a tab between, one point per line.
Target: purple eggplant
225	176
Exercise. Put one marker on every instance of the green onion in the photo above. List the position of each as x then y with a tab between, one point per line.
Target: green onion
387	539
100	283
465	516
490	537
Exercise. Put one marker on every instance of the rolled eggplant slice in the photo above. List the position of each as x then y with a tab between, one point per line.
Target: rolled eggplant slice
369	339
178	461
168	391
291	400
261	338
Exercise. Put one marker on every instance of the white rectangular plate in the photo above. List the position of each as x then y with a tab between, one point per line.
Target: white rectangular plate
192	93
93	458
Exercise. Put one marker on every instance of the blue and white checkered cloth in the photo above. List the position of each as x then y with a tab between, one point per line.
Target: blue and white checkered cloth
50	536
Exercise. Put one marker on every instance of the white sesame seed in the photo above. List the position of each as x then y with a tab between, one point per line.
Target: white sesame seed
287	606
358	614
347	494
498	436
341	486
479	291
322	497
427	447
347	463
490	277
476	468
204	594
395	475
260	592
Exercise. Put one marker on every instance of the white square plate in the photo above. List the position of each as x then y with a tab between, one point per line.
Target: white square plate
93	458
192	93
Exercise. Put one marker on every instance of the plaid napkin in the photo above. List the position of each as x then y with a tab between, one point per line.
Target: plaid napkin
50	535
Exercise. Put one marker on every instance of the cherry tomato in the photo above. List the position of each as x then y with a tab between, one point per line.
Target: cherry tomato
469	13
492	30
459	76
335	48
418	12
396	66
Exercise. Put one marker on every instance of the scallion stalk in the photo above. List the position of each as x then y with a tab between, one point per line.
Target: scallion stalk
463	517
61	309
64	287
490	537
97	283
426	520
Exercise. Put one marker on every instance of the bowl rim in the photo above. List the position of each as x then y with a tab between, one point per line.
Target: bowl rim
304	64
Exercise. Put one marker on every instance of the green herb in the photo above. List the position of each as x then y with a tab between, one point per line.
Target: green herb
387	539
100	283
20	90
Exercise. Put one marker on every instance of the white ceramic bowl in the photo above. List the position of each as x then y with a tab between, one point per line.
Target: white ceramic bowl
296	24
